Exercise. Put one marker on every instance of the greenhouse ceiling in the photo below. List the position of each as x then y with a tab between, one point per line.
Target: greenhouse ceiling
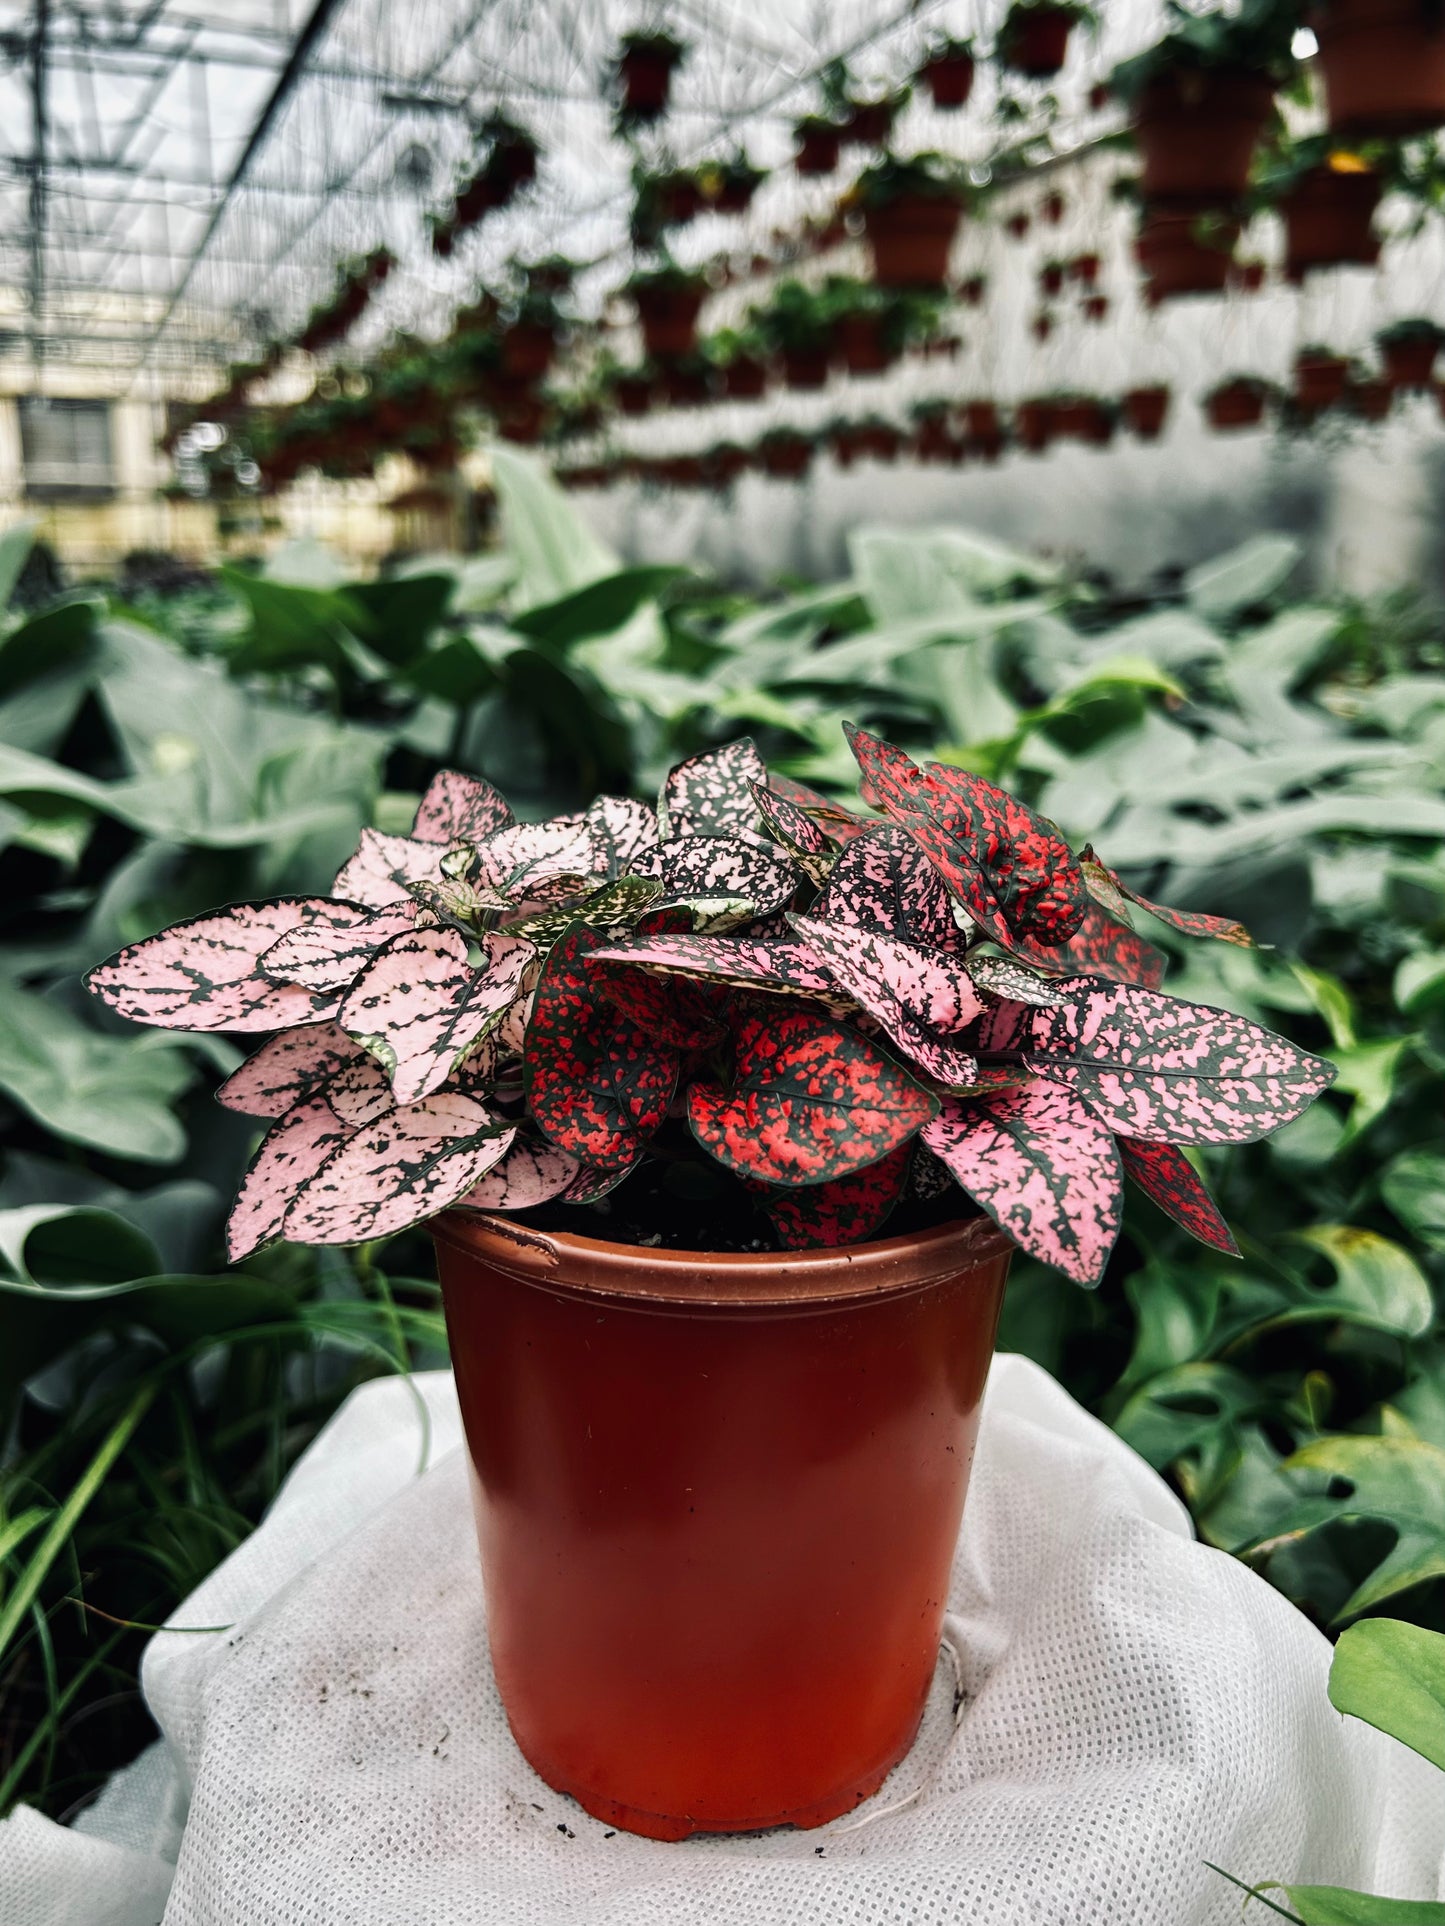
179	179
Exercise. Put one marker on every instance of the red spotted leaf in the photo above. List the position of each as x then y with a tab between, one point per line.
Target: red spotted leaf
711	794
205	974
531	1173
843	1211
922	998
541	863
378	874
1043	1168
1010	869
1101	946
1165	1174
591	1184
745	962
598	1085
289	1068
883	881
810	1100
622	829
460	809
408	1164
1155	1067
1105	885
420	1005
330	950
678	1013
840	823
704	868
807	844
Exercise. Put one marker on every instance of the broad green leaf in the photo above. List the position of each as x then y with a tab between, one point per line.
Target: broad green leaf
292	626
1400	1482
112	1093
1367	1073
1413	1185
596	609
15	545
1246	575
1337	1906
555	551
1392	1675
1376	1282
55	640
396	615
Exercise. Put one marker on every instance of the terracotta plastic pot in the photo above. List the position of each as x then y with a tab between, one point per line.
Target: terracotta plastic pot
1196	129
932	440
633	394
1371	399
1145	411
717	1500
1238	404
646	77
745	378
668	318
1383	63
1177	257
860	346
787	459
949	79
1319	380
1033	425
805	367
911	240
818	150
1410	362
1328	221
528	350
1038	42
980	418
684	387
869	122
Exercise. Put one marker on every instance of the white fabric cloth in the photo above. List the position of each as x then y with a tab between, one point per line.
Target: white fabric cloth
1134	1704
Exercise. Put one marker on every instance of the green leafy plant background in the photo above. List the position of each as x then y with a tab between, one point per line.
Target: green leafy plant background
1232	744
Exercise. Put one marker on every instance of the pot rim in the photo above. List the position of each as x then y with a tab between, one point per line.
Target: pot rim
566	1262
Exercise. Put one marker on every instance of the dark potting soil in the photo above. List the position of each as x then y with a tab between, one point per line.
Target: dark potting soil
684	1205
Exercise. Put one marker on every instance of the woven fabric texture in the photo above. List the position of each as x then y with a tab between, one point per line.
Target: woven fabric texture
1132	1705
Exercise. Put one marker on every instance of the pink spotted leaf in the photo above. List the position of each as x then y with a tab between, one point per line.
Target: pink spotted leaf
383	866
711	794
541	863
531	1173
883	881
289	1068
1166	1176
206	974
290	1154
330	950
460	809
746	962
806	843
622	830
597	1084
1043	1168
409	1163
1157	1068
922	998
840	823
706	868
420	1006
810	1100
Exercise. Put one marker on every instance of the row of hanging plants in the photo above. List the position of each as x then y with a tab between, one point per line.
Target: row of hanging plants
507	162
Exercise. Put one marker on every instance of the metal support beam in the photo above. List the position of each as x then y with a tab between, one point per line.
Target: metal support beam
40	141
318	21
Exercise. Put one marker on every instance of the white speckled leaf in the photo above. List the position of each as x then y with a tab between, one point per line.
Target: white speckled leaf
460	809
290	1068
377	875
205	974
329	950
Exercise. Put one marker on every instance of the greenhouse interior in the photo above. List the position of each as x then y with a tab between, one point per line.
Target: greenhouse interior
722	787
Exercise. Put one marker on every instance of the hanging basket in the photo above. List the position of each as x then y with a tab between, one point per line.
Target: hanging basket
667	313
861	346
786	457
1185	248
818	149
1383	63
645	75
1328	218
1196	130
1236	404
528	350
1145	412
1409	360
1319	380
911	239
949	79
1034	426
745	378
1036	42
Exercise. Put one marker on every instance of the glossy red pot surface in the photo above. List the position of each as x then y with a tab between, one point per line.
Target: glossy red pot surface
717	1500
